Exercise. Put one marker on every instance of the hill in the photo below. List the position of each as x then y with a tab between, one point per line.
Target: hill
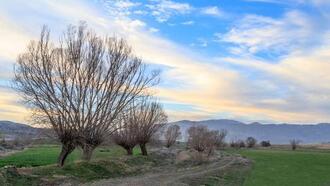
11	130
276	133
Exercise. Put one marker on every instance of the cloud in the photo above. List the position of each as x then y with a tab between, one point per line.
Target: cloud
10	108
212	10
188	23
13	40
256	33
163	10
293	89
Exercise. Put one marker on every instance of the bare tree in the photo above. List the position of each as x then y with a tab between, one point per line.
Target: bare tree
237	143
219	138
197	136
204	140
294	143
250	142
149	116
171	135
79	87
265	143
126	135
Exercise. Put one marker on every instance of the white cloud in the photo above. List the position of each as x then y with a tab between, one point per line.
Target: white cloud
188	23
163	10
212	10
257	33
13	39
294	90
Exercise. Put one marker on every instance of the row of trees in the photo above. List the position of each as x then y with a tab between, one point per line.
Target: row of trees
87	88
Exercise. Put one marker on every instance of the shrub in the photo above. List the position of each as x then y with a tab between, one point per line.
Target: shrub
237	144
250	142
265	143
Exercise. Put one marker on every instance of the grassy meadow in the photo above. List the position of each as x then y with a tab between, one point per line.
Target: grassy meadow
278	167
270	167
47	154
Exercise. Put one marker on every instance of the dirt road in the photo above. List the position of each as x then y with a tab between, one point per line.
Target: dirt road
171	175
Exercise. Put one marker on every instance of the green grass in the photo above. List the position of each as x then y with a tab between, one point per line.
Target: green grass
288	168
47	154
40	161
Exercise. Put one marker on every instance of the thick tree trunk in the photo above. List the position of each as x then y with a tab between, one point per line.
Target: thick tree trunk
129	151
143	149
66	150
87	152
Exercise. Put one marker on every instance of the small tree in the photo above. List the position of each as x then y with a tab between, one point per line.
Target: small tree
198	138
219	138
251	142
265	143
171	135
204	140
237	144
149	117
126	135
294	143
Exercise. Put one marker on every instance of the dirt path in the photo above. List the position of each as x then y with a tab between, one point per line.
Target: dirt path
171	175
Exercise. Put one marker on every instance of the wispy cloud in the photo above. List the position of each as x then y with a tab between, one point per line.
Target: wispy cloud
213	11
163	10
258	33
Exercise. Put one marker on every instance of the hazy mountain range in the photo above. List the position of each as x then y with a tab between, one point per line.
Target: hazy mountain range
276	133
11	130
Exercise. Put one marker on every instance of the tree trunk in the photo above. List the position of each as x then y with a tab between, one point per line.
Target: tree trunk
66	150
87	152
143	149
129	151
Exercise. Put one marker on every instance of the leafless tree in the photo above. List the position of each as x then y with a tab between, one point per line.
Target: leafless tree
126	135
149	116
219	138
80	85
197	138
265	143
204	140
171	135
250	142
294	143
237	143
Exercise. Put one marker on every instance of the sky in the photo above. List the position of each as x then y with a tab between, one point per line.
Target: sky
250	60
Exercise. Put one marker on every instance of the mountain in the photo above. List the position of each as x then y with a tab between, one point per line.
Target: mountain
11	130
276	133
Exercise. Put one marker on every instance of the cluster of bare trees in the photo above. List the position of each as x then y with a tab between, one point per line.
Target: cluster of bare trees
142	120
83	86
204	140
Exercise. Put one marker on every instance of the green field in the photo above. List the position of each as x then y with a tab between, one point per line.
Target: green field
47	154
270	167
288	168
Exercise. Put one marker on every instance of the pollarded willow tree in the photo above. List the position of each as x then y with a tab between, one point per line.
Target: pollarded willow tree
127	133
80	85
149	116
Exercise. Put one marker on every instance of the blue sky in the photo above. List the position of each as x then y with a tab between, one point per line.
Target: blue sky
250	60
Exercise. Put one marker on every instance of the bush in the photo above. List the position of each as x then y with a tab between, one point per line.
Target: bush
237	144
251	142
265	143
